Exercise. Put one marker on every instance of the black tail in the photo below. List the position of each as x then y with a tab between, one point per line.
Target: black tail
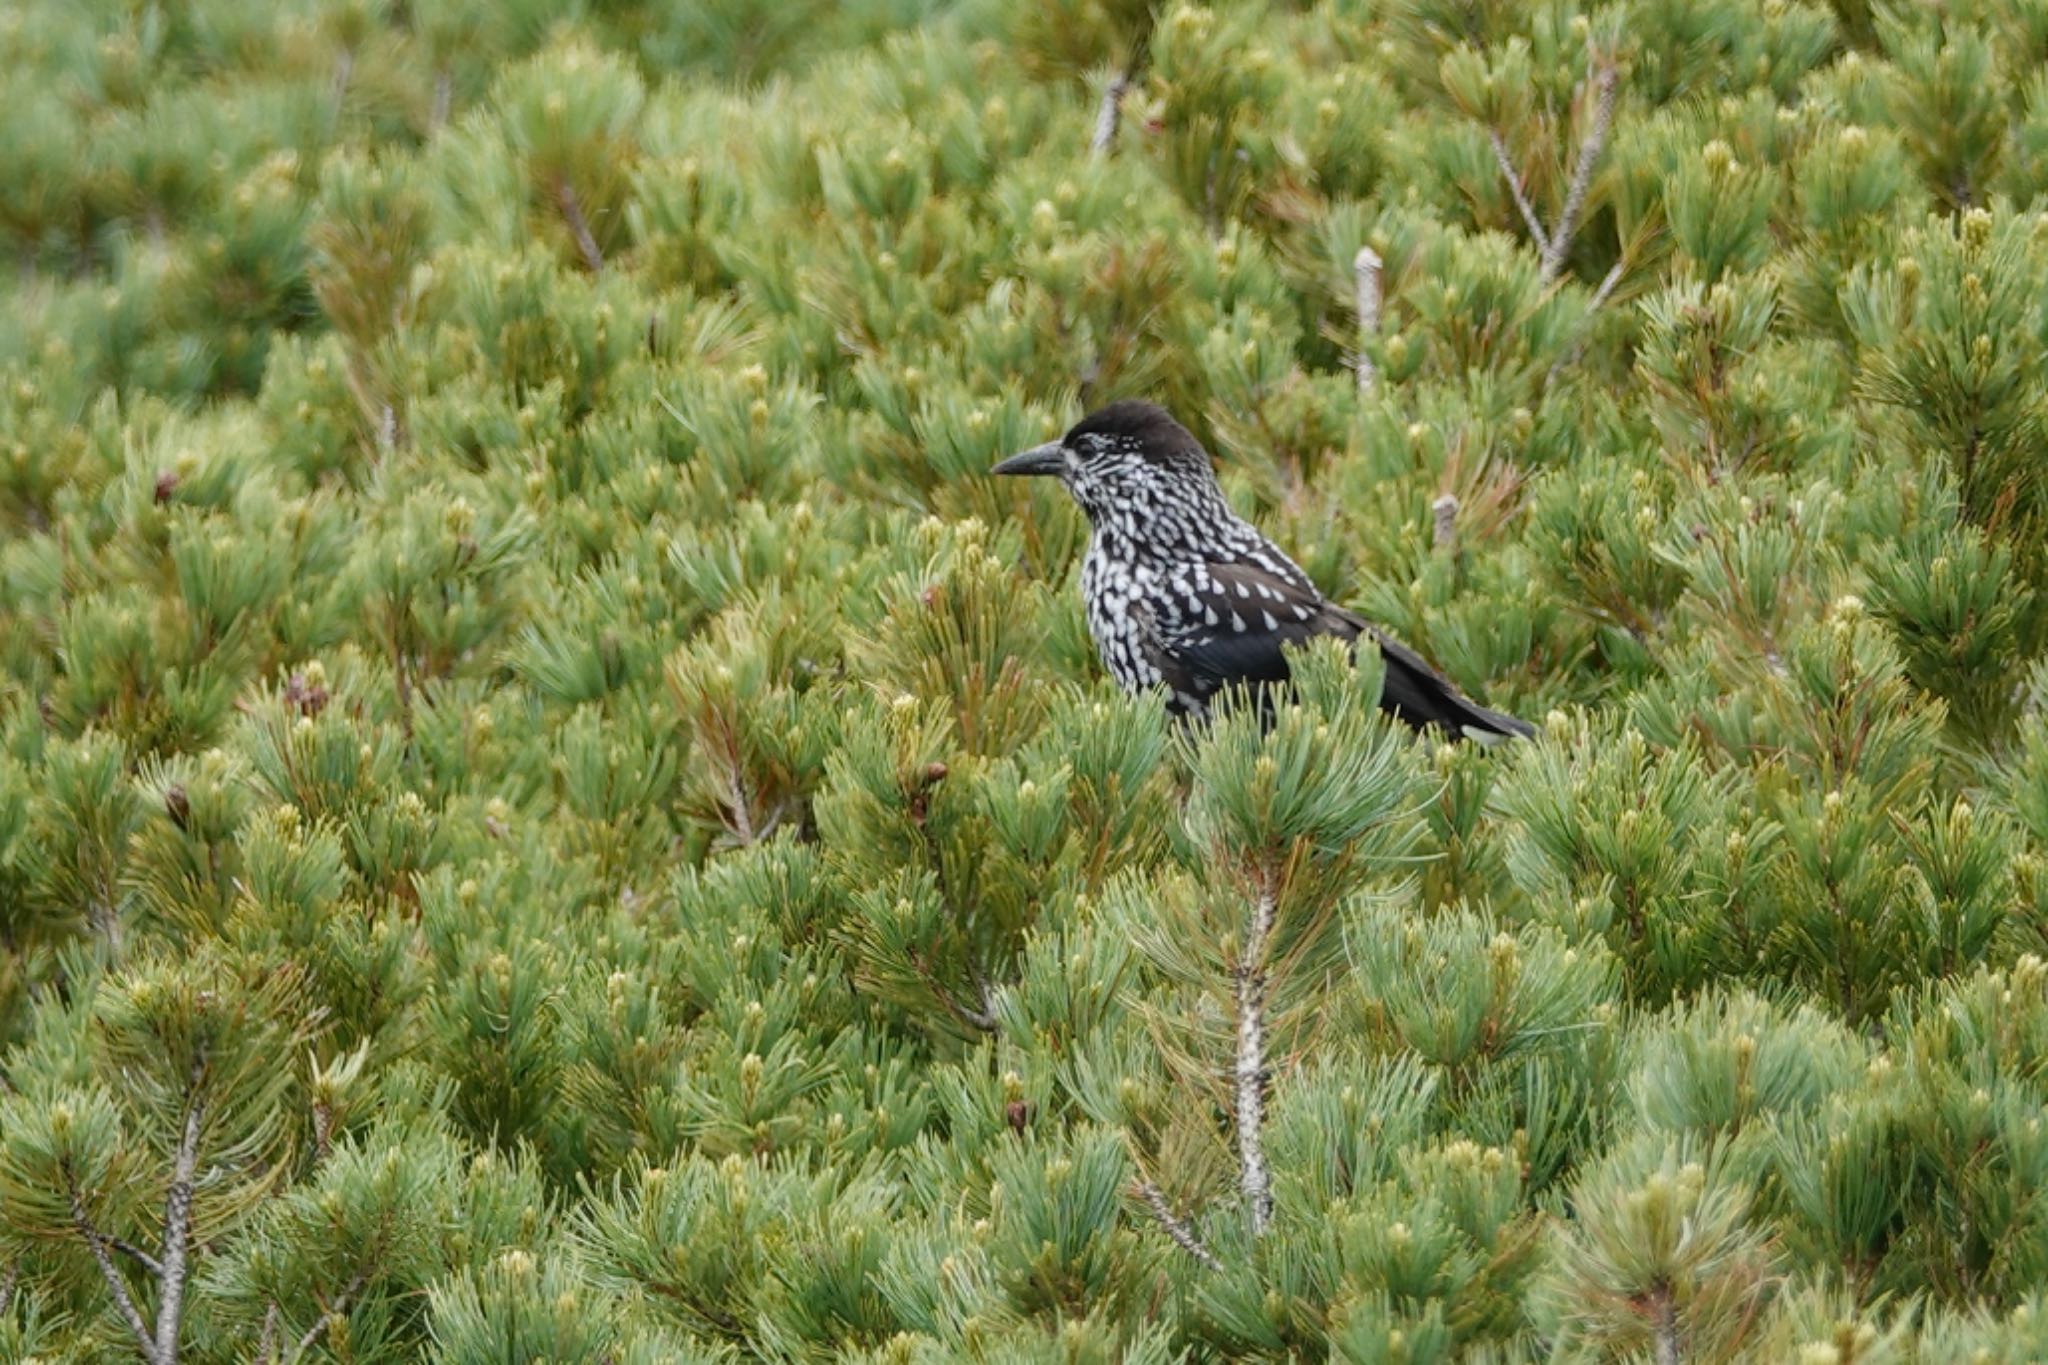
1424	698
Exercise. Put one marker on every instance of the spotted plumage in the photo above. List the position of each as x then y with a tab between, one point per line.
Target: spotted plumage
1184	595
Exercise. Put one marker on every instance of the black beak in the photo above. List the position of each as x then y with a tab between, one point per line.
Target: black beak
1049	458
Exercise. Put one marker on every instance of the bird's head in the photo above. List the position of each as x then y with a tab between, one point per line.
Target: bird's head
1129	459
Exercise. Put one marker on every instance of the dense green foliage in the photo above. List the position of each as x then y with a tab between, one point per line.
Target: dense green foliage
549	809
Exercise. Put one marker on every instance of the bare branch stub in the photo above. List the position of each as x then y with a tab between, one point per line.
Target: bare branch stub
1107	115
1606	78
1444	514
1365	273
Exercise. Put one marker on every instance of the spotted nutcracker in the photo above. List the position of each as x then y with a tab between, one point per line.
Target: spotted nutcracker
1184	594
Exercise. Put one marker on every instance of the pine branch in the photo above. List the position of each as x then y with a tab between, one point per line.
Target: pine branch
579	226
1176	1227
1254	1178
1507	170
119	1287
332	1311
1106	115
137	1255
1607	284
170	1313
7	1283
1666	1329
266	1345
1606	79
1365	273
1600	296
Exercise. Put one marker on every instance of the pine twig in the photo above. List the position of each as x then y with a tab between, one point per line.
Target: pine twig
1365	275
1600	296
1107	115
332	1311
137	1255
7	1283
1176	1227
1666	1330
170	1313
266	1345
1521	196
1607	283
115	1284
579	226
1253	1176
1606	80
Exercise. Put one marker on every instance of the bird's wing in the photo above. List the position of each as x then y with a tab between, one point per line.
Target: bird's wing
1246	615
1237	617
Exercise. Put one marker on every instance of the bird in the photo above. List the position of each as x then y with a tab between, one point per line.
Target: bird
1183	594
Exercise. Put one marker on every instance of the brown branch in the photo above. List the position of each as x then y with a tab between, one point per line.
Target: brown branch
579	226
119	1287
170	1313
266	1345
1606	80
7	1283
1176	1227
1508	172
1106	115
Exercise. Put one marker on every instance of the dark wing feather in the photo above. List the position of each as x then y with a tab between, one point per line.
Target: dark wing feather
1198	659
